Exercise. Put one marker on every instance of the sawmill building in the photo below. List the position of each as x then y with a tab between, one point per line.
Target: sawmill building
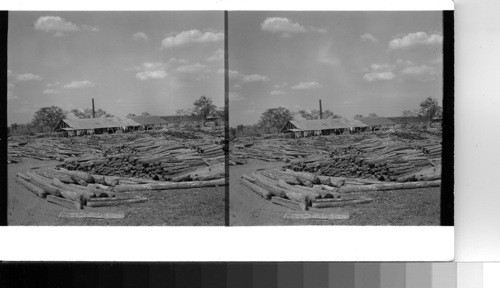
304	127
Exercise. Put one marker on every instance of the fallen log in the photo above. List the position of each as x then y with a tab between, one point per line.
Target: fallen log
269	184
85	193
73	196
257	189
310	194
304	176
317	215
43	183
78	175
92	214
64	202
170	185
327	203
32	188
51	174
276	175
289	203
389	186
246	177
114	202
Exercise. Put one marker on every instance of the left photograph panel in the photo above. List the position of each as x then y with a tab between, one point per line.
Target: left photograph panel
116	118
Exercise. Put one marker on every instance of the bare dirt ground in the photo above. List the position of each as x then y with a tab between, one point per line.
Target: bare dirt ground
412	207
186	207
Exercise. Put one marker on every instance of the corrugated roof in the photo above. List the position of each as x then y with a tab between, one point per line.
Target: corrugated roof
148	120
376	121
408	120
97	123
326	124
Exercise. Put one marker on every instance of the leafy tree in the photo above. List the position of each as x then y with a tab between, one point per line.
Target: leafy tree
275	117
430	108
359	116
204	107
145	114
372	115
87	113
131	115
48	117
410	113
184	112
239	129
220	112
314	114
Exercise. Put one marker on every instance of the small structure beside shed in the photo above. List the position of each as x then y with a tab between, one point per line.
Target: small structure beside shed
150	122
377	123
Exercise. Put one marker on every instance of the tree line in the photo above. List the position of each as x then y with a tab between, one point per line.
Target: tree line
274	119
46	118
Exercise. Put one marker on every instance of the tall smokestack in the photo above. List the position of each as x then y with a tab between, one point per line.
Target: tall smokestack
320	110
93	108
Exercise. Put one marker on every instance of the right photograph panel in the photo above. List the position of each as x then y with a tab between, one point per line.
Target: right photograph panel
336	118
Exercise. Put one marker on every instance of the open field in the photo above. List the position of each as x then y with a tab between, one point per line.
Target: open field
119	180
383	178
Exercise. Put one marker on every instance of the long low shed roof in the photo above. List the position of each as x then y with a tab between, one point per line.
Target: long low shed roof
376	121
325	124
99	123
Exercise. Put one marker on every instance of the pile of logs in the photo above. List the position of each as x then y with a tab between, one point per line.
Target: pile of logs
155	159
46	149
303	190
375	159
76	189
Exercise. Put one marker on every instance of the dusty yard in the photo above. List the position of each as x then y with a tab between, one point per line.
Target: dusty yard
187	207
401	207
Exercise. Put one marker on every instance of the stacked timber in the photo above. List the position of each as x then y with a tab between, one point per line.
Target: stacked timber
303	190
376	159
46	149
152	158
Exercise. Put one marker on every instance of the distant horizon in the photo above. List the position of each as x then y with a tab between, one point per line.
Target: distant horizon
356	62
128	61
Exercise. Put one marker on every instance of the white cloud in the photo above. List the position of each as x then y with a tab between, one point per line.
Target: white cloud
235	96
191	36
367	37
254	78
58	26
307	85
438	61
55	84
416	39
50	91
286	27
140	36
421	73
378	76
28	77
151	74
278	86
277	92
150	70
380	72
232	74
79	84
217	56
191	68
90	28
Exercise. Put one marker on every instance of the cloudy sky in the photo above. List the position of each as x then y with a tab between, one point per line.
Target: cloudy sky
356	62
129	62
